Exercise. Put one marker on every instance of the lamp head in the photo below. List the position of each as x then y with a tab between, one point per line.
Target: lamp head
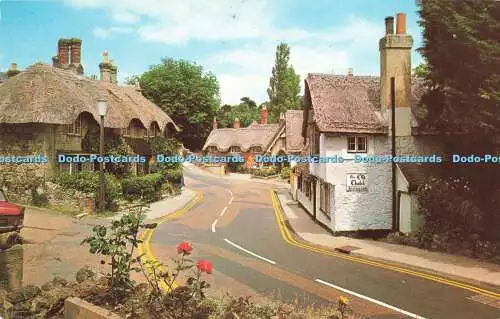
102	106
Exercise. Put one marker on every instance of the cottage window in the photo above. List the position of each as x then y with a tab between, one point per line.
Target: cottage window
235	149
154	130
256	149
325	200
76	127
126	131
357	144
135	129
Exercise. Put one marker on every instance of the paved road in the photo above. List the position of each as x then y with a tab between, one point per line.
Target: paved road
251	257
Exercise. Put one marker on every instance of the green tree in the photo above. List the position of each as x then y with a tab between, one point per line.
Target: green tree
247	112
461	47
186	93
422	70
284	84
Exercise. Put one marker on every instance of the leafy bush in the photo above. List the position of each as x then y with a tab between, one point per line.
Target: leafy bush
167	147
265	172
88	182
285	172
172	175
147	187
118	242
453	222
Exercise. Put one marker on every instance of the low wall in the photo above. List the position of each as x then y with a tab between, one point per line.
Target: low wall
76	308
59	196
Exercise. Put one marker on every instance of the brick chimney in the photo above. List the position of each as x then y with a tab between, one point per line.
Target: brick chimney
105	67
236	123
63	46
76	51
350	73
13	71
395	61
263	115
76	54
214	123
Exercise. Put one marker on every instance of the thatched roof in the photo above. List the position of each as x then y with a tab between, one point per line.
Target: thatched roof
352	103
416	174
245	138
45	94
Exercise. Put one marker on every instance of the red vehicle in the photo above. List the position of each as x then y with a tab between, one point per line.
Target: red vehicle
11	215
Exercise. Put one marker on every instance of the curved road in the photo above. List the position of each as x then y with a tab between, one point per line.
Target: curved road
250	257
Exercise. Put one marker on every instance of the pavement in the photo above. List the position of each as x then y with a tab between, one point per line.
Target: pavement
164	207
239	227
453	266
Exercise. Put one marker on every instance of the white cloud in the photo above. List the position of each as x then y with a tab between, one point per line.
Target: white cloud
106	32
244	71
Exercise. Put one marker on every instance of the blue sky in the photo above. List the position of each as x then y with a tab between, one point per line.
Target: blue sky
235	39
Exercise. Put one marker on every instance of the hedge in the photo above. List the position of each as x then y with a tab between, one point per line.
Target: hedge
147	187
265	172
285	172
88	182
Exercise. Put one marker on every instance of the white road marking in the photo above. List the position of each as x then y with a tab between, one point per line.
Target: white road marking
380	303
249	252
230	192
231	200
223	211
213	226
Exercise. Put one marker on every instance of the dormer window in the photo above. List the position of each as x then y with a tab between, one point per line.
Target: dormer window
154	130
76	127
256	149
135	129
357	144
212	149
235	149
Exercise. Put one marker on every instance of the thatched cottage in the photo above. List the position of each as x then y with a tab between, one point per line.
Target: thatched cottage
48	110
351	116
282	138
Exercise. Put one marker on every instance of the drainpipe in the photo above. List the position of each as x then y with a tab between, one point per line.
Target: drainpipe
395	217
314	198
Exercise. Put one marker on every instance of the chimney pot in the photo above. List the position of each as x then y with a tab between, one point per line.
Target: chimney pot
105	58
389	25
350	72
214	124
401	23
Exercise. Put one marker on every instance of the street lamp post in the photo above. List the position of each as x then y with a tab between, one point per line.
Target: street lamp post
102	106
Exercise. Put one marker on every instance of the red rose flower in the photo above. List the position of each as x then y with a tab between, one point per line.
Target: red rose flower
204	266
184	248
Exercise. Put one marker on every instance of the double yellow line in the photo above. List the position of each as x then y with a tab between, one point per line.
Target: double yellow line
287	236
144	248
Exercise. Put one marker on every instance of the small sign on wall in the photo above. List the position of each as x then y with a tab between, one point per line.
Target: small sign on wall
356	182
